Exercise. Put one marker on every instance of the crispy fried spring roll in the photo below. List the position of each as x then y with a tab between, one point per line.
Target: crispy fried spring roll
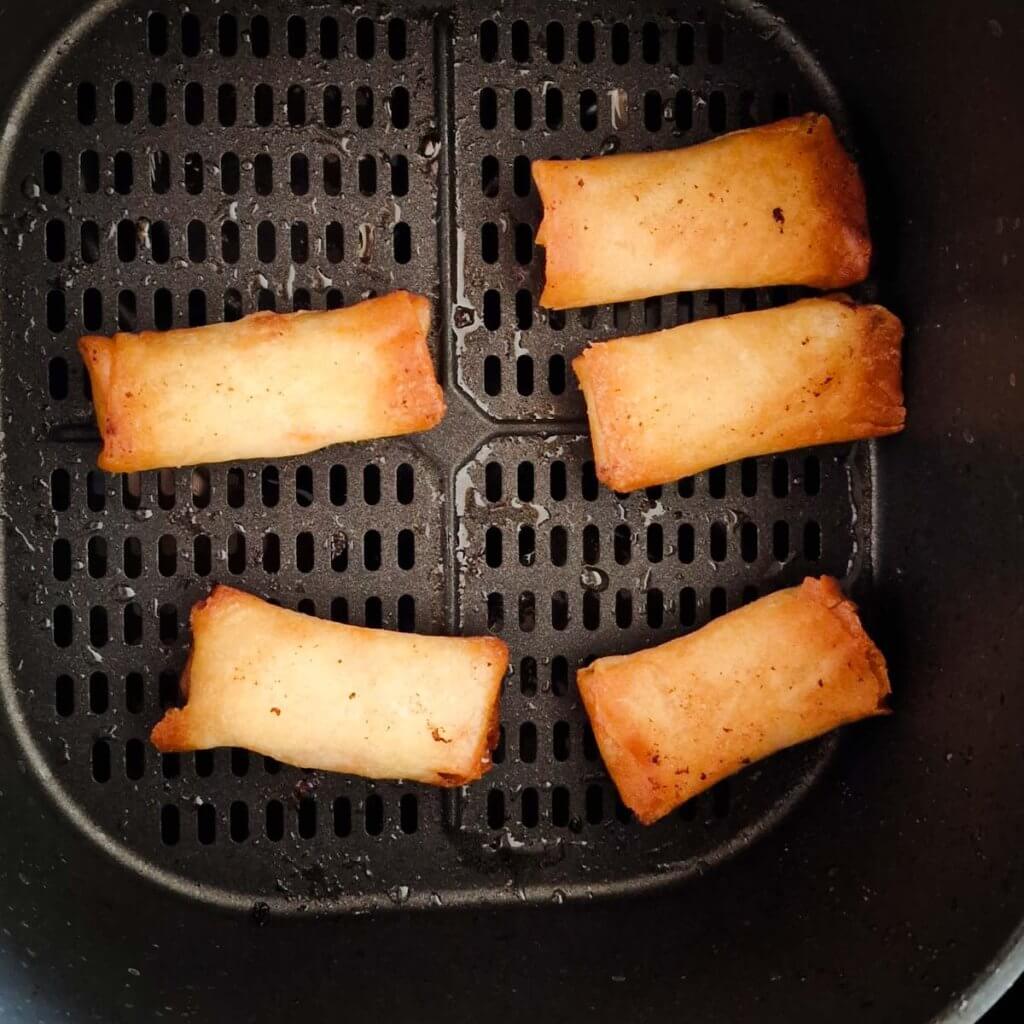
267	386
665	405
781	204
673	720
319	694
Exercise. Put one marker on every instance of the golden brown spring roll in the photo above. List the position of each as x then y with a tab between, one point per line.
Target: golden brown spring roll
320	694
665	405
671	721
781	204
267	386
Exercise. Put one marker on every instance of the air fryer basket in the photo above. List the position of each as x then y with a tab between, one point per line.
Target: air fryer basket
165	165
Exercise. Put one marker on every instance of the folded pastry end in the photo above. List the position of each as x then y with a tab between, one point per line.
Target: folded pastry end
171	734
98	355
825	590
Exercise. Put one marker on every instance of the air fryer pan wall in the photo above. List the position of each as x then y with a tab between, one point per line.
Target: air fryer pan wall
882	882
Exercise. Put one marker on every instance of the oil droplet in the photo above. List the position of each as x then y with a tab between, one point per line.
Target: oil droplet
364	248
339	544
429	146
619	102
398	894
593	578
463	317
610	145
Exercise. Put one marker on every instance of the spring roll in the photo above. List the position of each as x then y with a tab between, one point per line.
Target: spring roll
780	204
341	698
665	405
673	720
267	386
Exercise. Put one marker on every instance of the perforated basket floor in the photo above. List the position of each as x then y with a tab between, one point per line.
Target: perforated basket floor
170	168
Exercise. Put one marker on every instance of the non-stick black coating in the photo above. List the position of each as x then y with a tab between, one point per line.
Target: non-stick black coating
890	894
